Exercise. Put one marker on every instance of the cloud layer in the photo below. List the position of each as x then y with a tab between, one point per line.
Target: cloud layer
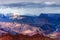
18	1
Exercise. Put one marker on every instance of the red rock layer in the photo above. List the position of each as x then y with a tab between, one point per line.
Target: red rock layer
24	37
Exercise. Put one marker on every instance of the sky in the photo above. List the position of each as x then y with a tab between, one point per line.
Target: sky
18	1
30	11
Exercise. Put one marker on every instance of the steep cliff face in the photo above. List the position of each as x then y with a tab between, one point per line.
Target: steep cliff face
24	37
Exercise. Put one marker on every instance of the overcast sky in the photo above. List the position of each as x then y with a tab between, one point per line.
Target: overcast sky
32	11
18	1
